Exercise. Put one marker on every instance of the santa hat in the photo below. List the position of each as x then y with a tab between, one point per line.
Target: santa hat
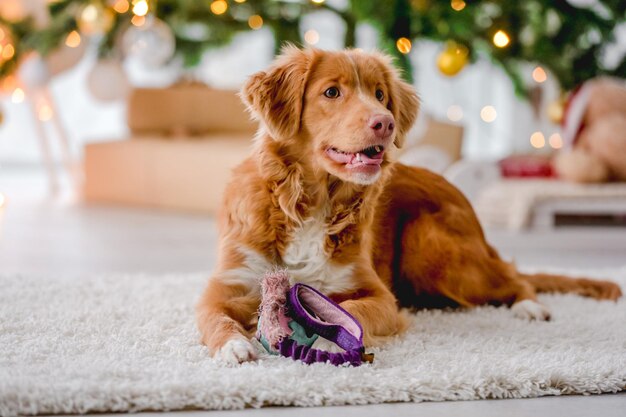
574	114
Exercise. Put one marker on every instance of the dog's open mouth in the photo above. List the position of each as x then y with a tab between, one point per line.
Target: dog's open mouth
372	155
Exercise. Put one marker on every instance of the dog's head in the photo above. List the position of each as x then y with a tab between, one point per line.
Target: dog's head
342	110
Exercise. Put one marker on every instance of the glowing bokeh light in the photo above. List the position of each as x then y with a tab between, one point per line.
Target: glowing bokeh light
311	37
121	6
73	39
501	39
141	8
219	7
539	75
18	95
488	114
255	22
457	5
537	140
555	141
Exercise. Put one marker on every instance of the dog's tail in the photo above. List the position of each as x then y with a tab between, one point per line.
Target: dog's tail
586	287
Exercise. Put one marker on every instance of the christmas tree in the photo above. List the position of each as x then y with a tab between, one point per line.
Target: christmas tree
566	39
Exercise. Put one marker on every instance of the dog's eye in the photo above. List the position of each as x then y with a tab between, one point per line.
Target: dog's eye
332	92
380	96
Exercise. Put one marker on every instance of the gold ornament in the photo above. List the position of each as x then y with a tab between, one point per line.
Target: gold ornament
556	110
403	45
452	59
95	19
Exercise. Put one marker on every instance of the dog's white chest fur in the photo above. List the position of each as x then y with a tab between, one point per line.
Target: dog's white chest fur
304	259
307	261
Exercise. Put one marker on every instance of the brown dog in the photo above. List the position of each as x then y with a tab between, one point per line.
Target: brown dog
321	197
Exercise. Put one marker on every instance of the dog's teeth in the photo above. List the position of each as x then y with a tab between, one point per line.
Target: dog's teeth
358	157
377	149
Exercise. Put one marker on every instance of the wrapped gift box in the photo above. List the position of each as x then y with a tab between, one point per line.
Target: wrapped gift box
182	174
432	144
185	141
187	109
446	136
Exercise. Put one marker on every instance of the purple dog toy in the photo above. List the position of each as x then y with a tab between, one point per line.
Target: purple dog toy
291	320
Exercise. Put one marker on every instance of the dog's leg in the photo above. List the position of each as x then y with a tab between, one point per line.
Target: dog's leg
465	269
498	284
376	309
226	314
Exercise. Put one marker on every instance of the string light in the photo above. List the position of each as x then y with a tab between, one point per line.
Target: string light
537	140
44	113
488	114
138	20
121	6
404	45
556	141
455	113
539	75
255	22
141	8
8	52
501	39
318	1
457	5
17	96
90	13
73	39
240	1
219	7
311	37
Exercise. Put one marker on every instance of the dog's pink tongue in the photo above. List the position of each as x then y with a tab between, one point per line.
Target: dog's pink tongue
342	158
364	159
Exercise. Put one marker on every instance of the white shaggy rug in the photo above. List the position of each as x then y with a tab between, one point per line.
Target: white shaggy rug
129	343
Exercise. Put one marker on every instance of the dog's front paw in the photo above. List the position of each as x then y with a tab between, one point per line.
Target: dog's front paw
530	310
236	351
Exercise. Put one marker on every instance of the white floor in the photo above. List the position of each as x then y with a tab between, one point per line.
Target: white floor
40	234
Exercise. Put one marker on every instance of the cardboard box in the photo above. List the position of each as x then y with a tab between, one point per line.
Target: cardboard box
187	109
188	175
443	135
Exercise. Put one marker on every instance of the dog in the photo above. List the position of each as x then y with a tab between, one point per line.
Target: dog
321	197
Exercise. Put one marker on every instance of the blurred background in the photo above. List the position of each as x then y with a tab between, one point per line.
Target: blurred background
119	120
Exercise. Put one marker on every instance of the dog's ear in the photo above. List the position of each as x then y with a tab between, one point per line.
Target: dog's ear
276	96
404	105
